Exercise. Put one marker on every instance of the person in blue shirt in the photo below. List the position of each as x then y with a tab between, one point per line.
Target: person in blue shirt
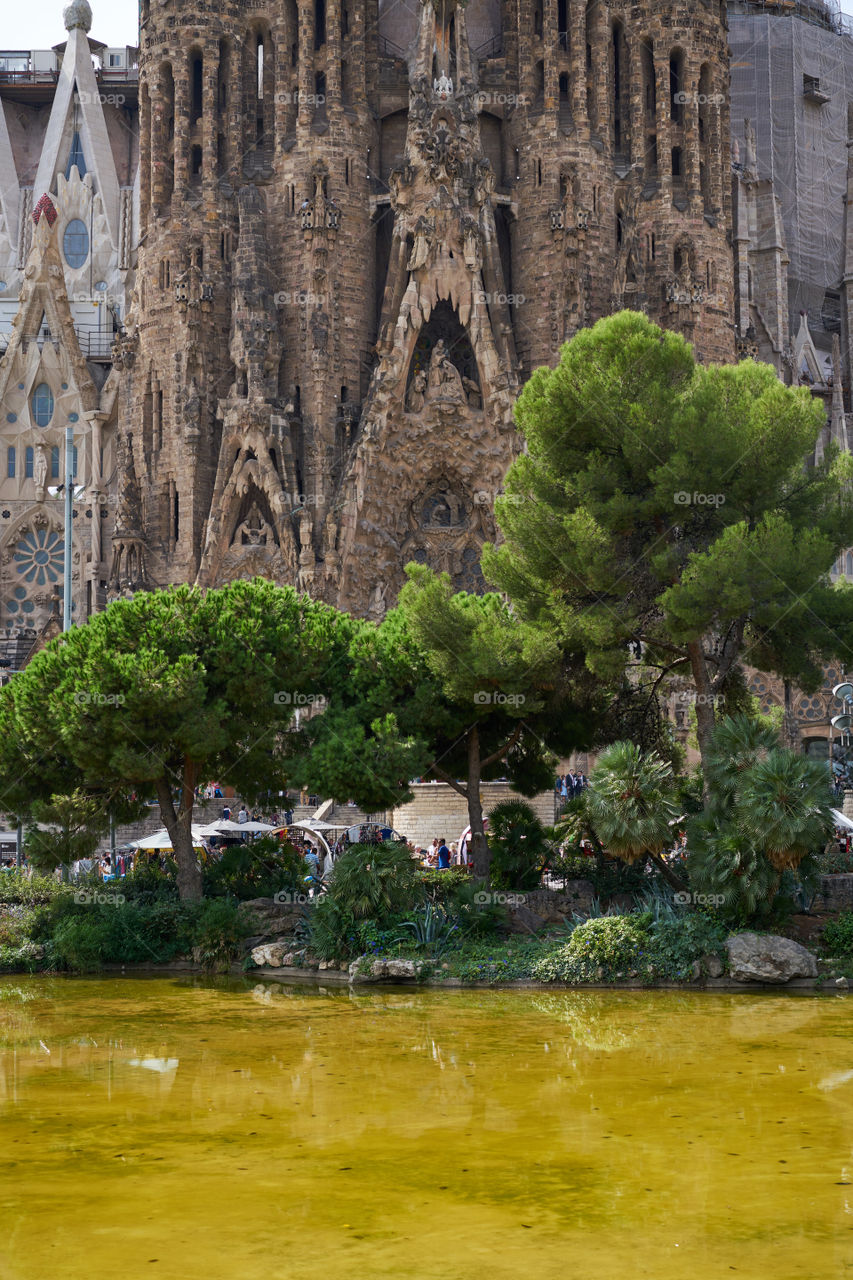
443	854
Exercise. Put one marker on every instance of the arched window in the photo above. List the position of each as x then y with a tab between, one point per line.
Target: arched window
42	404
75	244
196	86
676	86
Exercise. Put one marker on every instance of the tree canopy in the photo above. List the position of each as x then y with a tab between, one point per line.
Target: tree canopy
662	515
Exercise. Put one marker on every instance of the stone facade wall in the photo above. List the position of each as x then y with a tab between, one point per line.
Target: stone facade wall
354	253
438	810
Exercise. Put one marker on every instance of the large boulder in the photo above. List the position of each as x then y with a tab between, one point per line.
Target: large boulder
385	970
268	919
273	954
763	957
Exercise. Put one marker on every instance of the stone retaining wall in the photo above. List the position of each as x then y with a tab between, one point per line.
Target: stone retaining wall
438	810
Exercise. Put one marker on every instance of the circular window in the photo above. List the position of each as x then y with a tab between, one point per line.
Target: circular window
3	286
76	243
101	286
42	404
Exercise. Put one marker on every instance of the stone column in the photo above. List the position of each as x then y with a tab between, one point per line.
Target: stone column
577	53
182	116
306	65
210	121
664	123
333	54
550	47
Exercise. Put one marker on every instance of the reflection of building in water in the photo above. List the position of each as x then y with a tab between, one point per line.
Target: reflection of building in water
68	159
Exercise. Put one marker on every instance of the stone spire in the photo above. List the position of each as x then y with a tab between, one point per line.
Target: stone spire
78	14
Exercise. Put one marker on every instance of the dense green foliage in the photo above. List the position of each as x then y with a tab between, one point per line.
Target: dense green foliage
519	844
663	503
768	810
257	870
837	937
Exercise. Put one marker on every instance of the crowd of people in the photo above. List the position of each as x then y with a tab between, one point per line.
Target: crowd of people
570	785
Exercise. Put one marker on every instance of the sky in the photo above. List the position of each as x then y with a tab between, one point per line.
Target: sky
37	24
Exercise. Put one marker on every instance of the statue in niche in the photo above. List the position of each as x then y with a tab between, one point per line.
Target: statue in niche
40	471
422	246
445	380
417	392
472	391
443	510
254	531
377	607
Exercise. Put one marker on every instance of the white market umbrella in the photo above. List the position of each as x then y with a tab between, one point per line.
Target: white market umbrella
841	819
162	840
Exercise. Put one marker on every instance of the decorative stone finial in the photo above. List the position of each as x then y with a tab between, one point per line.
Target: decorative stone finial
78	14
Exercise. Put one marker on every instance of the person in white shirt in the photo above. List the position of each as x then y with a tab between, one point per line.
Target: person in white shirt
242	816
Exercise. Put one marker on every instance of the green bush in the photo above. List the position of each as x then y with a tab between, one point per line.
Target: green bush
125	933
833	860
218	932
607	947
678	942
16	887
519	846
837	938
258	870
376	882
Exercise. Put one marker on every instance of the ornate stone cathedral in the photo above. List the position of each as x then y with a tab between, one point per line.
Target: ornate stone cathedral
361	226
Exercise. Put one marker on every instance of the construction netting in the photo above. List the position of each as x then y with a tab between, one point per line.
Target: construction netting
793	79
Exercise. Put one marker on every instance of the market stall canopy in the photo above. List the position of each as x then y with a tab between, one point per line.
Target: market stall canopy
226	826
841	819
162	840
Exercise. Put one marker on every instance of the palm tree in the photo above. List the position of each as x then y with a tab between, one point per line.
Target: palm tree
632	805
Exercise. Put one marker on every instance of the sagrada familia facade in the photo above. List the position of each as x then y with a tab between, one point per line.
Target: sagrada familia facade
285	266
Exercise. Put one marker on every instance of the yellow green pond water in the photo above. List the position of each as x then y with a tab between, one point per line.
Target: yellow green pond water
227	1131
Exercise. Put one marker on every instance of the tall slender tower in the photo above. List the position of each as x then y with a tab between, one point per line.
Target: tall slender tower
363	226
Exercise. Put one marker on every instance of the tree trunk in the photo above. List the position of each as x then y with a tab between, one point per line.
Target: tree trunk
705	717
671	877
179	827
481	854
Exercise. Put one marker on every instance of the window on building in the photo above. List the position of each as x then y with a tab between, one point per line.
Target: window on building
42	404
54	462
29	464
75	244
10	462
76	158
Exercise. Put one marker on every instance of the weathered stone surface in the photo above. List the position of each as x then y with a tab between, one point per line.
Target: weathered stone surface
835	893
386	971
523	920
308	322
713	966
757	957
273	954
269	919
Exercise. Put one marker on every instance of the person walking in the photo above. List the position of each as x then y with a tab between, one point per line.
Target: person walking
443	855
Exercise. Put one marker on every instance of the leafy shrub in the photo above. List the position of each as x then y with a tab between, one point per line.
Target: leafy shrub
677	942
147	882
519	846
257	870
433	929
610	946
127	933
833	860
837	938
218	932
512	959
16	887
375	882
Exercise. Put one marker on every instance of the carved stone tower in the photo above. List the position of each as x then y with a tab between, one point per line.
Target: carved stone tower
362	228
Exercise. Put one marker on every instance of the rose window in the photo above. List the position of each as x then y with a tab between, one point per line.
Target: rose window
39	557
